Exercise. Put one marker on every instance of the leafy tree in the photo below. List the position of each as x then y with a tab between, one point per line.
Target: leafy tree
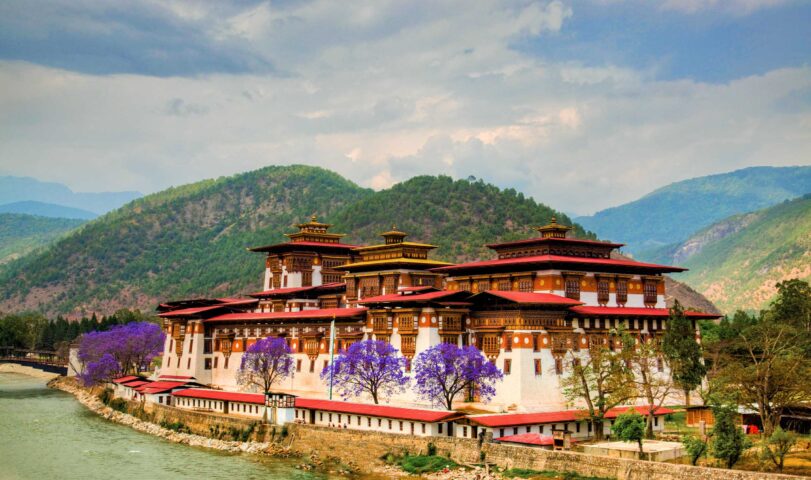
683	352
728	441
696	448
762	366
264	363
793	306
99	371
444	371
370	366
777	446
601	378
653	386
630	427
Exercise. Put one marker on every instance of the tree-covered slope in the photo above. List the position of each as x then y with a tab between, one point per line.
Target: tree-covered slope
192	240
740	270
460	216
184	241
20	234
673	213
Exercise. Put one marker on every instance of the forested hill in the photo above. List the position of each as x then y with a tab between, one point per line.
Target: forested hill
673	213
739	267
20	234
191	240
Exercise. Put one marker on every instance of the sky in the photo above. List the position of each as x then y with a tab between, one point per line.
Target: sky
581	104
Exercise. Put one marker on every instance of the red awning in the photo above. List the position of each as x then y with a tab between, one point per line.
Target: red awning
319	313
256	398
636	312
517	419
398	413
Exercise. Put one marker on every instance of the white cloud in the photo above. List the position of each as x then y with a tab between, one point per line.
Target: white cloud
383	92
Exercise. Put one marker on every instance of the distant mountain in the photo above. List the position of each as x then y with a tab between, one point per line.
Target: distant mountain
192	240
20	189
737	262
47	210
20	234
673	213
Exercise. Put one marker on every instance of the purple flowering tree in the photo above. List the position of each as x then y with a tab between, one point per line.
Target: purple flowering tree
444	371
124	349
264	363
370	366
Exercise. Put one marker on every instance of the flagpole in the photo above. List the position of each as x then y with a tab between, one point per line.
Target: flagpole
331	353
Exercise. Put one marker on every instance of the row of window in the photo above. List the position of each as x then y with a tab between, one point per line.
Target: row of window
345	420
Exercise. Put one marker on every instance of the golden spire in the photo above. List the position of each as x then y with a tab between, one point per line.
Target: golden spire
553	229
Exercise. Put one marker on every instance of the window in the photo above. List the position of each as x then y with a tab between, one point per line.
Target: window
507	366
407	365
207	364
660	365
525	285
401	426
389	424
464	431
215	361
422	426
320	416
340	420
226	363
207	345
312	366
537	362
577	427
160	399
188	363
650	292
369	422
622	291
655	421
191	344
515	430
483	285
326	364
559	366
178	362
602	291
500	432
529	429
439	425
573	288
358	420
379	422
298	365
329	418
504	284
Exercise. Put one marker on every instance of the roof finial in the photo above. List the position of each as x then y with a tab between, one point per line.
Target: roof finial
313	218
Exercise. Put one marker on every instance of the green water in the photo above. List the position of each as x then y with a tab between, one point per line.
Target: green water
47	434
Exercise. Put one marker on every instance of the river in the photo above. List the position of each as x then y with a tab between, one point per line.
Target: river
46	434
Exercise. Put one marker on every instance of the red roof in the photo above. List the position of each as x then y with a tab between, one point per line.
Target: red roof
412	414
284	291
256	398
175	377
319	313
159	387
531	298
553	239
530	439
126	379
416	289
540	259
185	312
286	245
136	383
515	419
636	312
420	297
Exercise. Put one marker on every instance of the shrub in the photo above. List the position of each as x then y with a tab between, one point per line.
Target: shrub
418	464
118	404
431	449
106	395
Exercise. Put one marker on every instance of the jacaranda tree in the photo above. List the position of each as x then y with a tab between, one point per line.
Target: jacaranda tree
265	363
370	366
124	349
444	371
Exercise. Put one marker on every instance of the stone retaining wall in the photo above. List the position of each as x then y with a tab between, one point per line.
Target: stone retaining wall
323	441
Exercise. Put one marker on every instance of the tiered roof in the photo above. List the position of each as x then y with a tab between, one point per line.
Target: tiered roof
312	235
395	252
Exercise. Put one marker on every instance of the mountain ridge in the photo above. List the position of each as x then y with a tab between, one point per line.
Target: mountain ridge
19	189
673	213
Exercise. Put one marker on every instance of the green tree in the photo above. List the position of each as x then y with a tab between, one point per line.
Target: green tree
654	386
728	441
682	351
630	427
762	367
696	448
600	377
778	446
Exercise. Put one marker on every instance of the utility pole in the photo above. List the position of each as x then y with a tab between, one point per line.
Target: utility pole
331	353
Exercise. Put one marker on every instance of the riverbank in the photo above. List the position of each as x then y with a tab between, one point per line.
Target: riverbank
91	401
23	370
